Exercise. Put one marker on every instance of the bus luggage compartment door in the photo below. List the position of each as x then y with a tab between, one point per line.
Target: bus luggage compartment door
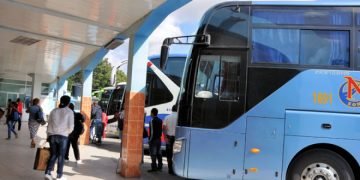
264	148
216	154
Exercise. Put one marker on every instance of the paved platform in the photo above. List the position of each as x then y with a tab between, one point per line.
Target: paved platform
99	162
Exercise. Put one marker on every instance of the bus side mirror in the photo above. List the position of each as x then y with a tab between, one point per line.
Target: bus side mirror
164	53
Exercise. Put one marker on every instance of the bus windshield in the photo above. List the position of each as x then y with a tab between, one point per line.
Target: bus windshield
116	99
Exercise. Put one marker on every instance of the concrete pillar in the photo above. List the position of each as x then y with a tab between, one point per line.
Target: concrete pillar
36	86
62	88
132	136
85	105
87	77
135	97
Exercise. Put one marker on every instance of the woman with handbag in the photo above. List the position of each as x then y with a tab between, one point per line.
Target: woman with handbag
35	114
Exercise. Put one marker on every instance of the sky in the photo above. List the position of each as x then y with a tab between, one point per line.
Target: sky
183	21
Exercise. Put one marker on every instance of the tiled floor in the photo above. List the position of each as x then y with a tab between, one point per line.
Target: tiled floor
99	162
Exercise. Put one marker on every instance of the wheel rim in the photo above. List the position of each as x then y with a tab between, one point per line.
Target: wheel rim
319	171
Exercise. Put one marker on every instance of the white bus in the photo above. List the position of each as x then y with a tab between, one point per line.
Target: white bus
162	89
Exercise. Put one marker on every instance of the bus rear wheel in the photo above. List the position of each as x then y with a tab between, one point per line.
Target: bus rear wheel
320	164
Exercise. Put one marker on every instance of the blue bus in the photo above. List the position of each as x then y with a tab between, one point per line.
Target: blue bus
271	90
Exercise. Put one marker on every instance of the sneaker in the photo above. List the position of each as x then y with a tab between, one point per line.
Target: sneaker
66	160
48	177
79	162
62	178
7	138
16	136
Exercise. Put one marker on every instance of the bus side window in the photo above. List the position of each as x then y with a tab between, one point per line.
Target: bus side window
159	92
319	47
230	73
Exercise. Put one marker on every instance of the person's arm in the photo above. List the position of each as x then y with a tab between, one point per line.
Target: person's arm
150	131
41	114
49	126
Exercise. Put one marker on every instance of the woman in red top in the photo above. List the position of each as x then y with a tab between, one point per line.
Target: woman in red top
19	108
104	120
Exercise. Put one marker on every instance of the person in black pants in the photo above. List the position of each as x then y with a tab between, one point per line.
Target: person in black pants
155	141
74	135
169	127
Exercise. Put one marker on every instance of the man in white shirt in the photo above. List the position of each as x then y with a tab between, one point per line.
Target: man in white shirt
60	125
169	126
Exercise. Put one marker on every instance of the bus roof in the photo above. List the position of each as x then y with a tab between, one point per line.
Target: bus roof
305	2
157	56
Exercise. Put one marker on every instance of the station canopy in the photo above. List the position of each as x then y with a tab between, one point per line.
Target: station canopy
50	37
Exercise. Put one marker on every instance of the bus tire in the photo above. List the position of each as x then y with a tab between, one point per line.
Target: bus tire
319	164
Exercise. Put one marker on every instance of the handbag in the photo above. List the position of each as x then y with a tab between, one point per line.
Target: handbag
41	159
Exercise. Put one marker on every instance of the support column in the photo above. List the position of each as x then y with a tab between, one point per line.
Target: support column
61	90
85	106
36	86
132	135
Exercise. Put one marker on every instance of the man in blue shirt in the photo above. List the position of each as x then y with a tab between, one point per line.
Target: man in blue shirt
155	141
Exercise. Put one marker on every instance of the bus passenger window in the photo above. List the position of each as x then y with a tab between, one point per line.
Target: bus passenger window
302	16
275	46
329	48
358	48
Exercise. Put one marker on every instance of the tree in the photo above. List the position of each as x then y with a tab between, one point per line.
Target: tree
101	76
74	79
120	76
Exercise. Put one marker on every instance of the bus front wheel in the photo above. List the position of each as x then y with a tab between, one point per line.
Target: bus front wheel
320	164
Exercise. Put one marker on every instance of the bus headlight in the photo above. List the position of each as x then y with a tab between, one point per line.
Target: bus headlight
177	146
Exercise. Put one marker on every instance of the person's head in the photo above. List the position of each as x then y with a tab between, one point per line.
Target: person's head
18	100
35	101
64	101
71	106
174	108
9	100
154	112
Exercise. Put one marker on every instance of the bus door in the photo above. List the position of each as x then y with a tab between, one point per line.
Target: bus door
218	100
